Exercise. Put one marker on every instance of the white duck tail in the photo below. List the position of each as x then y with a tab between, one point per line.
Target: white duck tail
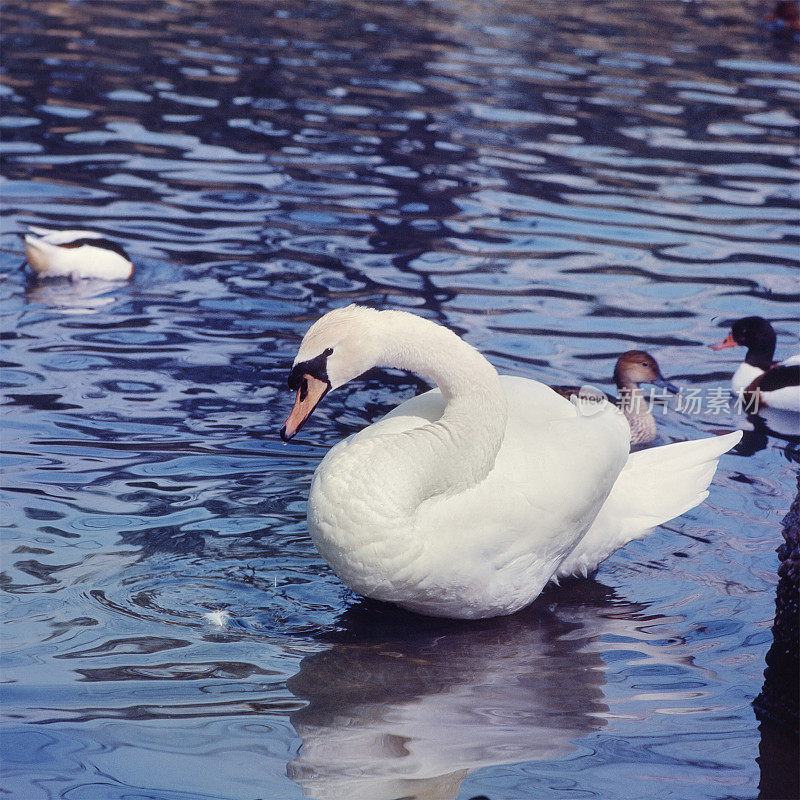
655	486
83	254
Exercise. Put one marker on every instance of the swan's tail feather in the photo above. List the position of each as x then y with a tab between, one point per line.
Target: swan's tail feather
655	486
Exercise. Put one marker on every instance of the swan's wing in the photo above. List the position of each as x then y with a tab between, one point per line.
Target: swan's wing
418	410
554	470
657	485
529	403
532	404
551	478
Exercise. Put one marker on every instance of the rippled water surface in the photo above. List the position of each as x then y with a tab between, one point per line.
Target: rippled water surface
556	181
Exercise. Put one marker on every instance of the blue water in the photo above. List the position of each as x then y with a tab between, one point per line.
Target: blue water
556	181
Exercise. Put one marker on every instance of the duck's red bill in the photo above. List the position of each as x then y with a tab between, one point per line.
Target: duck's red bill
727	342
311	391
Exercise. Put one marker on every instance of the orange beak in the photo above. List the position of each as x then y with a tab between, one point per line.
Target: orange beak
728	342
311	391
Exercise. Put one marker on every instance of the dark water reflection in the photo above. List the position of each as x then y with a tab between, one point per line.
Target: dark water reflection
399	708
558	182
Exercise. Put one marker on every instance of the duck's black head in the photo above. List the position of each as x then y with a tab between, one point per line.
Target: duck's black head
758	336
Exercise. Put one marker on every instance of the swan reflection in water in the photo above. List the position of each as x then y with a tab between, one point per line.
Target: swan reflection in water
404	706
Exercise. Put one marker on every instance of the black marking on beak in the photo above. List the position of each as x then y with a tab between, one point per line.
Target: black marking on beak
317	366
314	372
309	395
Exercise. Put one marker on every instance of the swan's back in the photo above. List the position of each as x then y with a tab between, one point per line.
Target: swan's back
530	404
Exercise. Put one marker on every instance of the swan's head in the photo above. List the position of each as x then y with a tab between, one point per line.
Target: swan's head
637	366
337	348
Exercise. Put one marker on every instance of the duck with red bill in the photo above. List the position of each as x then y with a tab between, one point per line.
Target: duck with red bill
728	341
760	380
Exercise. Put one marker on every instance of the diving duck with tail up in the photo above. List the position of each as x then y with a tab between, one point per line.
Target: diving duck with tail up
76	254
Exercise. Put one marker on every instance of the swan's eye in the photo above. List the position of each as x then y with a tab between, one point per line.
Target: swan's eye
303	389
328	351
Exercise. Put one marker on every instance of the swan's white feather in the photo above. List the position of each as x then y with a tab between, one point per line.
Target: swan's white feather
655	486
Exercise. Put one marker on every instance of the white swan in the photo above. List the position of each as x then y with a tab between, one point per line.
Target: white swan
84	254
466	500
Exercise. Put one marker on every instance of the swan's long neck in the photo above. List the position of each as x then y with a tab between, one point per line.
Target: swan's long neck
435	353
460	448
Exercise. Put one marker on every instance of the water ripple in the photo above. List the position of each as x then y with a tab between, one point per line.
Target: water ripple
557	183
